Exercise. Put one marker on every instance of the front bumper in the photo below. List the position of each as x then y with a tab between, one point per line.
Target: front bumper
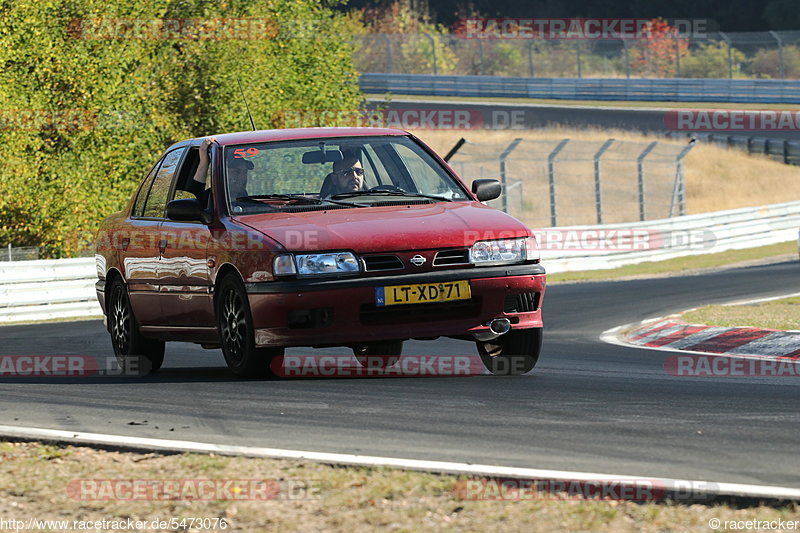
319	312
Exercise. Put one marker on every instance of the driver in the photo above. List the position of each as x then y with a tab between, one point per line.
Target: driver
238	169
347	176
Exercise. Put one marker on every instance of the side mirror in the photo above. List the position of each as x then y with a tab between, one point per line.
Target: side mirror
486	189
188	210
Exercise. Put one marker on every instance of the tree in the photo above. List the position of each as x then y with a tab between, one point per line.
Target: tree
87	104
402	25
654	54
710	60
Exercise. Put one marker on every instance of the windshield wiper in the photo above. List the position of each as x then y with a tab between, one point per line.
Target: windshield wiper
390	193
299	197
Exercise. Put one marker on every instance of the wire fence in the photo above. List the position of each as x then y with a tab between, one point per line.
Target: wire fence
771	55
570	182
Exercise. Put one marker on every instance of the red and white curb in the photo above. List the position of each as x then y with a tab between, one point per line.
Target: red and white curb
672	334
679	335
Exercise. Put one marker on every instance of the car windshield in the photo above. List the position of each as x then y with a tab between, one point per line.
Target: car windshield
335	172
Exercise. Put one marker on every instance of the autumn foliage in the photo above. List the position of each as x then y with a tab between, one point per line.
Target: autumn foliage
659	49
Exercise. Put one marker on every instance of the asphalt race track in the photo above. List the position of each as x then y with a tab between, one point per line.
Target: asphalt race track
588	406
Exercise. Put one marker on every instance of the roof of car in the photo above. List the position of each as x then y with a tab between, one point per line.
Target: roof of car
246	137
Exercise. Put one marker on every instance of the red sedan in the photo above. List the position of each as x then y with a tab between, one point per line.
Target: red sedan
360	237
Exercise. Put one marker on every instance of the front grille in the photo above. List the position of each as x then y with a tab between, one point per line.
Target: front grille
377	263
525	302
451	257
372	314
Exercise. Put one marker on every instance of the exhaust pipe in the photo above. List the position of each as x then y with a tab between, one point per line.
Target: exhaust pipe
497	327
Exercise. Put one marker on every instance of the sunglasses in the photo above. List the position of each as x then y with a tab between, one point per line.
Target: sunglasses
354	170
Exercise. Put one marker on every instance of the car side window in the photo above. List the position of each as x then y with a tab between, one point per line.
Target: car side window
156	203
144	190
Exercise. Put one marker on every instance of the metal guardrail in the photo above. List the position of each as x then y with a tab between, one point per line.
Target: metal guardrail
44	290
720	231
784	150
650	89
64	288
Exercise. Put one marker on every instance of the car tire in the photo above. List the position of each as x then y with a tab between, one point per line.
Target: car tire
237	334
134	352
512	354
378	354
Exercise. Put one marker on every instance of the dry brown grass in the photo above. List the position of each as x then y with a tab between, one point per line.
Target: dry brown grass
34	479
716	178
776	314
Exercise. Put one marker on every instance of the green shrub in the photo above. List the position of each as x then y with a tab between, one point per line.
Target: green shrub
766	63
710	60
133	97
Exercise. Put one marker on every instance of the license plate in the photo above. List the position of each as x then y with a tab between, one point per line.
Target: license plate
422	293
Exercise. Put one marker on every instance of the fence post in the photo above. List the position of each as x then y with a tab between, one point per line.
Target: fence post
480	57
679	189
389	65
627	59
9	251
433	50
551	176
578	56
640	170
598	193
503	173
677	57
780	50
530	59
730	55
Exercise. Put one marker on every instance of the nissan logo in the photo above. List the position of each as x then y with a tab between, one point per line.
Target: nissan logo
417	260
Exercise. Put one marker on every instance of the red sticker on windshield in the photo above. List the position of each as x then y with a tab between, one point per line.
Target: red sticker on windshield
241	153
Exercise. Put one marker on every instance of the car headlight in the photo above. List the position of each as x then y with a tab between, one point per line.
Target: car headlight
504	251
315	264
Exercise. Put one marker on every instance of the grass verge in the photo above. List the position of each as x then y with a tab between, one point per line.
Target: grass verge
774	314
35	478
592	103
685	265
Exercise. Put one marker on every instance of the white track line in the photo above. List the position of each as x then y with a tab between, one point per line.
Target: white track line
697	487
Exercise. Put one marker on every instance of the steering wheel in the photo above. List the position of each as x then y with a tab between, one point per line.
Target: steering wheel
386	188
